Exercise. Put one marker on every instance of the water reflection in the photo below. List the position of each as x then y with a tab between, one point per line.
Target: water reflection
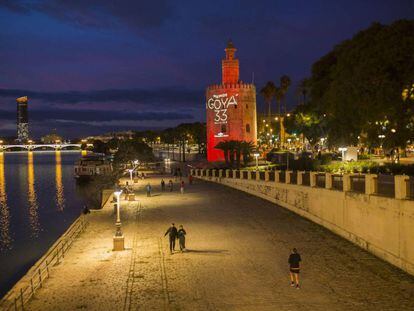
5	238
32	197
60	198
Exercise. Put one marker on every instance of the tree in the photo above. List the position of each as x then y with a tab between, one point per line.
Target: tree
247	148
285	82
224	146
360	81
268	93
131	150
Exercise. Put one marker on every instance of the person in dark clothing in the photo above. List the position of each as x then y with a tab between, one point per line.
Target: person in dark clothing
170	185
86	210
162	185
181	237
149	189
172	234
294	266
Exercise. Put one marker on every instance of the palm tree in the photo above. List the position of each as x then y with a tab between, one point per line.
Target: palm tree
268	92
224	146
285	82
238	149
232	150
247	148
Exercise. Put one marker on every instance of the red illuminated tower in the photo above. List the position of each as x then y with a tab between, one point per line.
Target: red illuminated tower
230	107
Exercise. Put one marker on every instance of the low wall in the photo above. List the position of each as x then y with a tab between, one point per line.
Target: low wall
381	225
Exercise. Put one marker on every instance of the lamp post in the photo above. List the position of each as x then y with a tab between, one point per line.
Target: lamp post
256	155
130	175
118	237
381	137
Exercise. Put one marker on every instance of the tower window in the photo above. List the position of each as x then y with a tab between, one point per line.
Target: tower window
247	128
223	128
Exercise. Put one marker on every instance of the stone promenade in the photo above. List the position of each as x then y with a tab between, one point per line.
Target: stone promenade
238	247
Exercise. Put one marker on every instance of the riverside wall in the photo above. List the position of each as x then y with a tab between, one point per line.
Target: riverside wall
381	225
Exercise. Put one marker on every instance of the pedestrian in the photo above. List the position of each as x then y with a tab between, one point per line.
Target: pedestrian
182	187
181	238
190	179
172	234
170	185
149	188
86	210
162	185
294	266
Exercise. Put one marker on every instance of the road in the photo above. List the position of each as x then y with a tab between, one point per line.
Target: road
238	247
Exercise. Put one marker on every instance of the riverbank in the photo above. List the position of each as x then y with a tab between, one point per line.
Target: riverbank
238	246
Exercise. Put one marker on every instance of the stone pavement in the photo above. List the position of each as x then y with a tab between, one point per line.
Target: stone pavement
237	260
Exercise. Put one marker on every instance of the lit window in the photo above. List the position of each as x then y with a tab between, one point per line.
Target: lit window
248	128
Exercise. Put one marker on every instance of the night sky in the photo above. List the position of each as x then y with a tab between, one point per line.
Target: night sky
94	66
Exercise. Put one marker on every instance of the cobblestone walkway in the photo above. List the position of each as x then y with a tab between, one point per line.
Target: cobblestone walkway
237	260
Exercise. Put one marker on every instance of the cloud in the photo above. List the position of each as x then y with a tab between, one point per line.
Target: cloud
138	96
96	115
135	14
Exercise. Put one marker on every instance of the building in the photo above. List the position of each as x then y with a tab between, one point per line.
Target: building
230	108
22	119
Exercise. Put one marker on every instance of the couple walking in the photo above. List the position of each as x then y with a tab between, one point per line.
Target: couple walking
174	234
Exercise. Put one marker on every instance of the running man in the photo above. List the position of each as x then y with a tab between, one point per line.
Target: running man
294	265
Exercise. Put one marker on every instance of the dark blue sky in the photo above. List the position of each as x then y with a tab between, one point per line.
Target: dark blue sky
92	66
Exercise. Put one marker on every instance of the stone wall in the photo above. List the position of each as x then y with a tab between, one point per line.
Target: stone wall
381	225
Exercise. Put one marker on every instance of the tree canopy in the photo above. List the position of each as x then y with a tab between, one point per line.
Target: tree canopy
358	86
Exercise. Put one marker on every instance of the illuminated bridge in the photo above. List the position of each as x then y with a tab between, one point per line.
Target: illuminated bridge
33	147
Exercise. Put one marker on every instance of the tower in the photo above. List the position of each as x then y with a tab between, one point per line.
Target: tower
22	119
230	108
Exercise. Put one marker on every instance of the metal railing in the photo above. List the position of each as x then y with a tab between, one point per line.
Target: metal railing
338	182
282	176
216	173
358	183
253	174
238	174
245	174
271	176
386	185
306	179
320	180
17	300
230	173
262	175
294	177
410	188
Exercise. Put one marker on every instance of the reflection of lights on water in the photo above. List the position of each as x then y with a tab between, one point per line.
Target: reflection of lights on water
32	197
5	238
60	198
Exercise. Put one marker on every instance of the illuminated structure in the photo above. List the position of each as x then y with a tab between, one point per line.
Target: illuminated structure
22	120
231	108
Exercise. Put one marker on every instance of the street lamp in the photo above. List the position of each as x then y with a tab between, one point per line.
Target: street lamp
130	175
118	237
381	137
256	155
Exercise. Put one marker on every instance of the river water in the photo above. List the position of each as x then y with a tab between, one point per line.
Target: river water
39	200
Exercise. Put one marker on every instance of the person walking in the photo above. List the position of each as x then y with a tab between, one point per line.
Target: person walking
182	187
170	185
181	237
149	188
294	266
172	234
162	185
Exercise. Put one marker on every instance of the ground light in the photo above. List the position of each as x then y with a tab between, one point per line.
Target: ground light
118	237
343	149
256	155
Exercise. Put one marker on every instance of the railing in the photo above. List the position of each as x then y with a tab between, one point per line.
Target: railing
386	185
410	188
338	182
306	179
271	176
262	175
245	174
282	176
216	173
237	174
293	177
358	183
253	175
17	300
321	180
231	173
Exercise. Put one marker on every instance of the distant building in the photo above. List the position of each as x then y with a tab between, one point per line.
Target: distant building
22	119
230	108
52	138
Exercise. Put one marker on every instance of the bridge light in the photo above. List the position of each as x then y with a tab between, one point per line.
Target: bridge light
1	141
30	141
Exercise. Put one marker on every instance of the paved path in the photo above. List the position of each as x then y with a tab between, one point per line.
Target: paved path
237	260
